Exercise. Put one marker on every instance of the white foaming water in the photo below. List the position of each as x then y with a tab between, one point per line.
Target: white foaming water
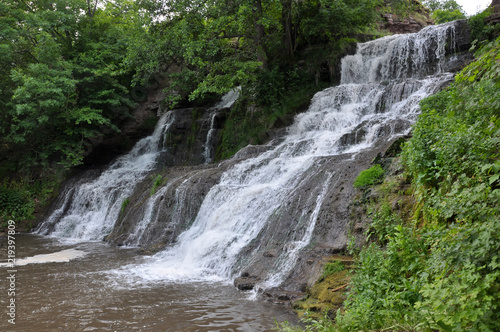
56	257
227	101
347	118
208	153
399	56
229	98
89	210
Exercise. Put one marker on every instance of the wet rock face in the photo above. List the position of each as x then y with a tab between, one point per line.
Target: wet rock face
462	36
169	211
193	129
458	52
331	231
185	143
495	4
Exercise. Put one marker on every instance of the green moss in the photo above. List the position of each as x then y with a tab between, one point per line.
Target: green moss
332	268
249	122
369	177
327	294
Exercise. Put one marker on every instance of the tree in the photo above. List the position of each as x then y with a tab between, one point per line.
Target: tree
63	76
445	10
228	43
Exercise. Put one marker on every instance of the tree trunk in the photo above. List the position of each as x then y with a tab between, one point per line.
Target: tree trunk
259	34
286	19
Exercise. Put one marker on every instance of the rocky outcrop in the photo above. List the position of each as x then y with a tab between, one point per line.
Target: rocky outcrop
495	4
412	22
494	18
193	138
395	24
246	281
175	206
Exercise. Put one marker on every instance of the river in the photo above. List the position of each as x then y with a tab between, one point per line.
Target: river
64	286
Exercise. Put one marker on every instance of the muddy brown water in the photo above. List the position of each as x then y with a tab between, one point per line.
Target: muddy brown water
56	293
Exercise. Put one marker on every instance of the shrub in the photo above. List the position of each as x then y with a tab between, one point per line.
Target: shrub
480	30
15	204
382	226
443	16
369	176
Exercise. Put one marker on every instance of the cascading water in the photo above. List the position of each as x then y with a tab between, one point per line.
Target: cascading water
89	210
382	85
227	101
208	153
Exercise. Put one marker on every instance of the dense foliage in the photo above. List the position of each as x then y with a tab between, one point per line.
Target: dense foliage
67	66
214	47
63	77
64	82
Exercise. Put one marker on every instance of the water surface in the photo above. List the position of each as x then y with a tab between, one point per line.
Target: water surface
69	287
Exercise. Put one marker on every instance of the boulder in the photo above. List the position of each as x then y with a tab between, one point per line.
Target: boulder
246	282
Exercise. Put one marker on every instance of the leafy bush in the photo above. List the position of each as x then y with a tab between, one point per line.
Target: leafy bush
445	11
321	324
403	8
386	284
443	16
369	176
479	29
383	223
19	197
454	160
13	203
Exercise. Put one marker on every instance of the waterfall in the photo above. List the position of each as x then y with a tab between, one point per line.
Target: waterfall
88	210
399	57
382	85
208	153
227	101
260	210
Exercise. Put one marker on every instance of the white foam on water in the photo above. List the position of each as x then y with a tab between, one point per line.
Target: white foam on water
55	257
